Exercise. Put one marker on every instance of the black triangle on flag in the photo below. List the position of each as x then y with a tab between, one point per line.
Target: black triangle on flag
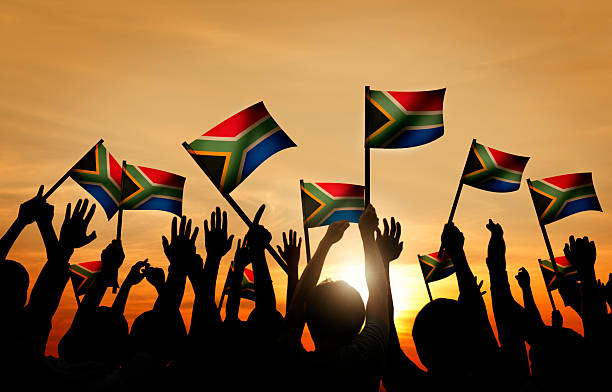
549	278
88	162
213	166
128	186
309	205
426	269
540	202
376	118
472	164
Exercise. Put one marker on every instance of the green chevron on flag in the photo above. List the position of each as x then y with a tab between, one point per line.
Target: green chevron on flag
144	188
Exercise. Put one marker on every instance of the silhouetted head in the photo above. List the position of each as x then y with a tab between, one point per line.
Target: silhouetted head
14	282
98	337
554	350
334	313
444	334
158	335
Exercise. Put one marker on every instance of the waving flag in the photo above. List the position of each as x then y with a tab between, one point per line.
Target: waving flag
99	174
232	150
401	119
493	170
555	198
144	188
326	202
563	266
83	274
435	269
247	286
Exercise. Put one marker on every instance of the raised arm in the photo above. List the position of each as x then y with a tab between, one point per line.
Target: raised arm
28	211
135	276
241	260
293	327
257	239
531	310
290	252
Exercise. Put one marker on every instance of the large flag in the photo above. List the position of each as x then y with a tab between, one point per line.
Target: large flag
401	119
99	174
232	150
144	188
435	269
324	203
555	198
83	274
493	170
247	285
563	266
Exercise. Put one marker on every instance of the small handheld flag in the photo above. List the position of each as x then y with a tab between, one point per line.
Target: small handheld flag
557	197
493	170
247	285
232	150
324	203
83	274
435	269
563	266
151	189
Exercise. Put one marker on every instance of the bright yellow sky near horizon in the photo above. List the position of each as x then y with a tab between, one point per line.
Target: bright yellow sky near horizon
530	78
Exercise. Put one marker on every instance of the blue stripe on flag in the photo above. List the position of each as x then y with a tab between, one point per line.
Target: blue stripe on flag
349	215
575	206
416	137
162	204
263	150
497	185
102	197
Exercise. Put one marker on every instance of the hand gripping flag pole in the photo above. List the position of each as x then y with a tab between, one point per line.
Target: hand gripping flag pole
366	151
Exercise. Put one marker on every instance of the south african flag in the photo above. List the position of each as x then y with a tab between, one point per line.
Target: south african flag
435	269
555	198
83	274
401	119
100	175
493	170
247	286
231	151
144	188
563	266
324	203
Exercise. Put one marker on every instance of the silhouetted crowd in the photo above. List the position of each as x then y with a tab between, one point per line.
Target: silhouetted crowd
356	346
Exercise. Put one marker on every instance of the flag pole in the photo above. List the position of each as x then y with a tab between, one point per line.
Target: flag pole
425	280
306	236
227	280
67	174
548	248
457	194
240	213
120	212
550	297
367	151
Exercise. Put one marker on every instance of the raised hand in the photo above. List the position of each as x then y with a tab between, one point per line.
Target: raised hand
523	279
581	253
30	210
137	272
497	245
257	236
215	239
290	252
180	250
368	221
112	257
480	285
241	256
388	242
452	238
335	231
73	233
155	276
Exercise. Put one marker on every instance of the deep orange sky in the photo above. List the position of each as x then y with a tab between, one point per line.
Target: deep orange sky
531	78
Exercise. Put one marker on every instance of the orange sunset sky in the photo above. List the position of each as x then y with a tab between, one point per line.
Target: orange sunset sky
530	78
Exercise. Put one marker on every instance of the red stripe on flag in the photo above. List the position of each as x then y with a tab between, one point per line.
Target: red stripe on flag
570	180
509	161
562	261
115	169
92	266
419	100
239	121
249	275
160	177
337	189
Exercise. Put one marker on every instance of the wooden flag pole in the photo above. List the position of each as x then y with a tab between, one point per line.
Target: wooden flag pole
367	151
241	213
548	248
65	176
306	236
120	212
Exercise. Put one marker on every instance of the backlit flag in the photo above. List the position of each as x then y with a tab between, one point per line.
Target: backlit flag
99	174
151	189
83	274
247	285
435	269
402	119
231	151
493	170
563	266
324	203
555	198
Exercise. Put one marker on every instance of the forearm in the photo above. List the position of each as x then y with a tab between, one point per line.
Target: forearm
233	298
172	295
265	298
376	279
292	279
51	242
9	238
593	307
208	284
121	298
531	308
